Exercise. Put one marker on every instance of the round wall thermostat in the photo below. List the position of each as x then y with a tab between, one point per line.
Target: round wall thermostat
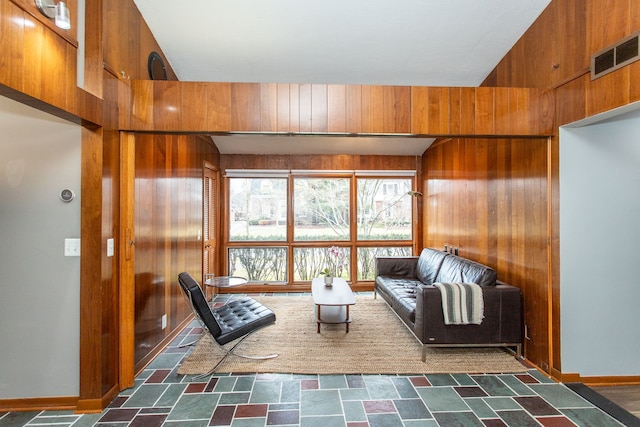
67	195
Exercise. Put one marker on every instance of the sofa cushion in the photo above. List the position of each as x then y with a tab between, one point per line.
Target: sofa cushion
400	294
456	269
429	264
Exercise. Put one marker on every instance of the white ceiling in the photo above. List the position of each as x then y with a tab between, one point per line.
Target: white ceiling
377	42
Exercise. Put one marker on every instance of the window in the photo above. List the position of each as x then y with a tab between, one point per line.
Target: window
341	222
321	208
384	209
259	264
257	209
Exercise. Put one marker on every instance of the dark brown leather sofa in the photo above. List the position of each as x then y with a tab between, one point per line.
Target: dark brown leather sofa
406	284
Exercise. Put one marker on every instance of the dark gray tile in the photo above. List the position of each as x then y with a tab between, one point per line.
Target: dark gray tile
332	421
233	398
464	379
332	381
171	395
459	419
283	406
320	402
355	394
266	392
354	411
194	407
384	420
502	403
244	383
441	380
518	418
380	387
146	395
516	385
290	391
225	384
493	385
540	376
183	423
355	381
480	407
420	423
166	361
442	399
412	409
405	387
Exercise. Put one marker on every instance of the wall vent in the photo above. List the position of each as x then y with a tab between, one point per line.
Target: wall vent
616	56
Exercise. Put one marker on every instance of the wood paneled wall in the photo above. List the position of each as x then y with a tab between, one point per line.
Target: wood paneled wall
319	162
488	198
38	64
128	41
343	109
168	230
555	52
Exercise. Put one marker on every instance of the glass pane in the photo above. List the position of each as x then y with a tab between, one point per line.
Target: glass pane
257	209
385	208
263	264
321	209
367	259
309	262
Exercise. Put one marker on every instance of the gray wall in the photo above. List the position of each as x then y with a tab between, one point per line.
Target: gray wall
39	286
600	246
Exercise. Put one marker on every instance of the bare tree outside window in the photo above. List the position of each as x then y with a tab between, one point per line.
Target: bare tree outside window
258	209
321	208
384	209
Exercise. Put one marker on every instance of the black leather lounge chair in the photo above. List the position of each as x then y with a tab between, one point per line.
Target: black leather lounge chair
235	320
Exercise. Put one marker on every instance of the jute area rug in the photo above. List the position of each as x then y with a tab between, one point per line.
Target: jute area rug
378	342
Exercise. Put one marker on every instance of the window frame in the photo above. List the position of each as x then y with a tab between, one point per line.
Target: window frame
353	243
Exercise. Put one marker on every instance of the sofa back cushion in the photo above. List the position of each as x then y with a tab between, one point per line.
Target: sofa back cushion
429	264
456	269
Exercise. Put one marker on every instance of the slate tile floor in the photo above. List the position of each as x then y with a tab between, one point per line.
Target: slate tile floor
160	397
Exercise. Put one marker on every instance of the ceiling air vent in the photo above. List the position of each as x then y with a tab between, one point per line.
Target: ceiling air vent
617	56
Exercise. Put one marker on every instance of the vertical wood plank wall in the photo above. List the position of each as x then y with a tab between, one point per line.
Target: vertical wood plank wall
555	52
167	224
488	198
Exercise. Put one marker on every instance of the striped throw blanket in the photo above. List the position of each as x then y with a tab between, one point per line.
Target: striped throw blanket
462	303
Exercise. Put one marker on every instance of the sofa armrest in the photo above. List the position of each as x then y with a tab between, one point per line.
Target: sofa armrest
397	266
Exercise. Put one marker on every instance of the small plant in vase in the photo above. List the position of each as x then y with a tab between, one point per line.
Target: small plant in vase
336	259
328	278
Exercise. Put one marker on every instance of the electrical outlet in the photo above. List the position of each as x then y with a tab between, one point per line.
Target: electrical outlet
164	321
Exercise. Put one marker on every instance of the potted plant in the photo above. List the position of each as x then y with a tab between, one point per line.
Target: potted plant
328	278
336	259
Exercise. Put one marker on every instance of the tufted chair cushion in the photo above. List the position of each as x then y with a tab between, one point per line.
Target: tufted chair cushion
230	321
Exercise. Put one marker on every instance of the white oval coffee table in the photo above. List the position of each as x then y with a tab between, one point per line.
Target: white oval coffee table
332	303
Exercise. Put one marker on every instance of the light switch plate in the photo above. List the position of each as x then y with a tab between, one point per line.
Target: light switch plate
110	247
71	247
